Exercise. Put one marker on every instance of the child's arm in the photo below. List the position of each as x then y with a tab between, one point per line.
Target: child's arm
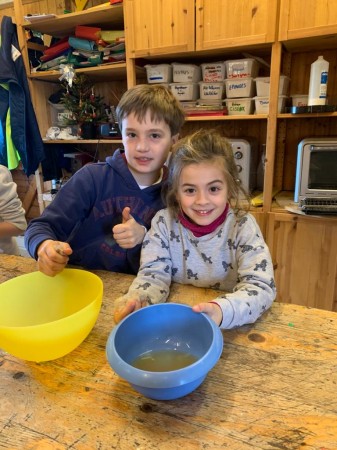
255	290
152	284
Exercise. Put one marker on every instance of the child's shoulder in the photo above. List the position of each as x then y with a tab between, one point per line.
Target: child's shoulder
164	216
243	220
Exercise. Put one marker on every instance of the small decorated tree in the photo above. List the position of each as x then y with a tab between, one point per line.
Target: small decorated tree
80	99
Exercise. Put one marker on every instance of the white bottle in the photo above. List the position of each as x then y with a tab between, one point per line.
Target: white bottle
318	82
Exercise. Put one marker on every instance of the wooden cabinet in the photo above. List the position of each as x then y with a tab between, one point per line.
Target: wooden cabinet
307	18
175	26
304	252
159	28
230	23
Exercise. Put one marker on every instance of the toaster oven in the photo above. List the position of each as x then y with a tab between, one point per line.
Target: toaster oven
316	175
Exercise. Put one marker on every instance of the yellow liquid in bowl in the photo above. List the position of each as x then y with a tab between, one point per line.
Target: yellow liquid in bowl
163	361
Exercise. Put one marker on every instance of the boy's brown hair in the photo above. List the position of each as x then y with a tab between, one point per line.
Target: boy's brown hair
157	99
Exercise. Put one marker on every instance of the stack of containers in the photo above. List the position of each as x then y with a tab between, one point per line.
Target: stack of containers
263	91
212	84
240	85
185	82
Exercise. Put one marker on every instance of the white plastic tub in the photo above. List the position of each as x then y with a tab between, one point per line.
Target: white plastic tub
186	73
213	72
263	86
211	90
158	73
185	91
262	104
239	106
238	88
299	100
59	114
242	68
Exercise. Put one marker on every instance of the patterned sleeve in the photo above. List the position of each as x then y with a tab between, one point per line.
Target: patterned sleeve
153	280
255	290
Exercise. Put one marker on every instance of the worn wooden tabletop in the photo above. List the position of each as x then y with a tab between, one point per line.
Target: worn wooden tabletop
275	387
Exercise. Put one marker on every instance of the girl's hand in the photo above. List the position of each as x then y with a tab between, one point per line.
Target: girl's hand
124	309
53	256
212	309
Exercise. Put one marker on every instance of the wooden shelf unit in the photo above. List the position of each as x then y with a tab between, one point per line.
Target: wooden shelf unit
210	30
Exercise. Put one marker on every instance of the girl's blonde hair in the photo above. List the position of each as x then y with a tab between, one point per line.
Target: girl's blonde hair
153	98
204	146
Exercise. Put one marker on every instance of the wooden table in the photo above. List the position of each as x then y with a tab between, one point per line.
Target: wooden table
275	387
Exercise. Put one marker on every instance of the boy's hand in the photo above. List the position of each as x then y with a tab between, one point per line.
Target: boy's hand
53	256
124	309
129	233
213	310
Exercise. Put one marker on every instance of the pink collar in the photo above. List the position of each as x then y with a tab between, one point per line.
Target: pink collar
202	230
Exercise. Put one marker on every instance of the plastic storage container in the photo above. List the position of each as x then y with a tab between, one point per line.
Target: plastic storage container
318	82
239	88
242	68
239	106
59	114
185	91
299	100
186	73
213	72
211	90
263	86
262	104
158	73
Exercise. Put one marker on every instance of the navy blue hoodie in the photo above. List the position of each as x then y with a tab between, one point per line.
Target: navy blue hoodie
92	202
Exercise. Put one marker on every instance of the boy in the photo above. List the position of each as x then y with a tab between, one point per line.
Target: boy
99	218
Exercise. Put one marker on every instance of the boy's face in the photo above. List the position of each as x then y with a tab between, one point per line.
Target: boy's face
146	146
202	192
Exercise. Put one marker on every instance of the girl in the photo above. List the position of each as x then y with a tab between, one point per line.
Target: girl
204	238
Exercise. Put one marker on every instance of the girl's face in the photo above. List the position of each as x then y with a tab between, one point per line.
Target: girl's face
202	192
147	145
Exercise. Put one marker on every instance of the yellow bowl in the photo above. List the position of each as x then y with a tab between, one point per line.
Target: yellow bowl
44	318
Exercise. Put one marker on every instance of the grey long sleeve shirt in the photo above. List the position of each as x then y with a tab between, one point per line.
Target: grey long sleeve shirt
233	259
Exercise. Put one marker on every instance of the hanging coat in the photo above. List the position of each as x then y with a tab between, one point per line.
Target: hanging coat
17	115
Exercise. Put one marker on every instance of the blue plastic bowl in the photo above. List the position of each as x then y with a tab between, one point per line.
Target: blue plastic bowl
166	326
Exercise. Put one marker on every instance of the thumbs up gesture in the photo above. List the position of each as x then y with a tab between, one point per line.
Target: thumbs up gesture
129	233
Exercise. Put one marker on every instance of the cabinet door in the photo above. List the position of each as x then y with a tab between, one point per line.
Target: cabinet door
159	27
234	23
304	252
307	18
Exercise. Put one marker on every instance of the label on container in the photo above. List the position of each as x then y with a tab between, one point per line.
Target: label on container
213	73
324	84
